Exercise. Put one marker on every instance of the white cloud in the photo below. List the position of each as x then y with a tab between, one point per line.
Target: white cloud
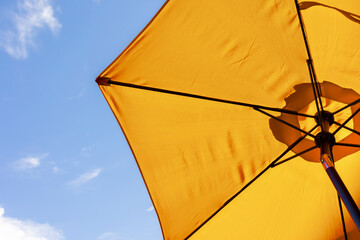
84	178
28	162
109	236
150	209
31	16
15	229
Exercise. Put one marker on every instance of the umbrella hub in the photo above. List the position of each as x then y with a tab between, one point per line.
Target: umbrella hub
324	138
325	116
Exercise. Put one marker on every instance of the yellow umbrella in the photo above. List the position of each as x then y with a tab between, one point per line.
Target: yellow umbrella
230	107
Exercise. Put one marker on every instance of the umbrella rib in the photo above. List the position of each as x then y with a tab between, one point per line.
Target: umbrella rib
347	128
302	28
294	156
292	146
271	165
230	199
339	201
316	94
347	145
349	105
284	122
346	121
106	81
342	217
314	82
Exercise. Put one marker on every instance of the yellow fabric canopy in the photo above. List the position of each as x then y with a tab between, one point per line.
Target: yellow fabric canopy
188	94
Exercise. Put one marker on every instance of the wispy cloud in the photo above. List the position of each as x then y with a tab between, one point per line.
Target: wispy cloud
79	95
55	169
85	151
11	228
84	178
28	162
31	16
109	236
150	209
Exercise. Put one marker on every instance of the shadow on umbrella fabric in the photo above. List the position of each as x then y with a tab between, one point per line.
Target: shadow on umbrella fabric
354	234
351	16
302	100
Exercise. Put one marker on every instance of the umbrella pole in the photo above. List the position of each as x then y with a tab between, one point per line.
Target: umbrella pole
325	141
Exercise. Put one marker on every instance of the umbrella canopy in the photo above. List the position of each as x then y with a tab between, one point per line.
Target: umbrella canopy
215	97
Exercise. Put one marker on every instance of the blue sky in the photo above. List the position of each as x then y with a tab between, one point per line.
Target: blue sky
66	171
